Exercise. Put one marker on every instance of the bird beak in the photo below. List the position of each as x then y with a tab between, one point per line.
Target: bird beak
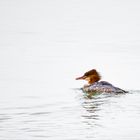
81	78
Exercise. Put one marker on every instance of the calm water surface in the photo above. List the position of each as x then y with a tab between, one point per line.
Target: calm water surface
45	45
69	114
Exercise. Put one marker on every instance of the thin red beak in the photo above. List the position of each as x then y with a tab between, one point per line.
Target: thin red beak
80	78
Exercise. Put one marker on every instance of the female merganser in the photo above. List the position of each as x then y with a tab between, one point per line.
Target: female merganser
94	85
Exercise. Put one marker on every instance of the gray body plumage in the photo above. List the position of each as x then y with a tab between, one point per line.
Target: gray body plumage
102	86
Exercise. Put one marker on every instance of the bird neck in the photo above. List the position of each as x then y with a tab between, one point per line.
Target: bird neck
93	79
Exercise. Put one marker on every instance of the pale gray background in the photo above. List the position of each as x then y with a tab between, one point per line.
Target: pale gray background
85	34
44	45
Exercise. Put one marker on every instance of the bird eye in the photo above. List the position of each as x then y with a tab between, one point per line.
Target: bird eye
86	74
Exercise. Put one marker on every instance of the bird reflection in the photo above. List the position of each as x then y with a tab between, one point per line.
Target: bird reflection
93	105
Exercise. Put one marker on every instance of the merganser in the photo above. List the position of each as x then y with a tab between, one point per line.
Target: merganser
95	85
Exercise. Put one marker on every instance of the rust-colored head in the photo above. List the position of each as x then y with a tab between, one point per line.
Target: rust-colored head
90	76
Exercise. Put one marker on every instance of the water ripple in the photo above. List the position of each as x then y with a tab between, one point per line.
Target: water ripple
40	113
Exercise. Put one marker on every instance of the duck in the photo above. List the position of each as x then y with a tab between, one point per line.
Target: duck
95	85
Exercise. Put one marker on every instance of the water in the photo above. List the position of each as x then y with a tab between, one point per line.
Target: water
44	46
70	115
